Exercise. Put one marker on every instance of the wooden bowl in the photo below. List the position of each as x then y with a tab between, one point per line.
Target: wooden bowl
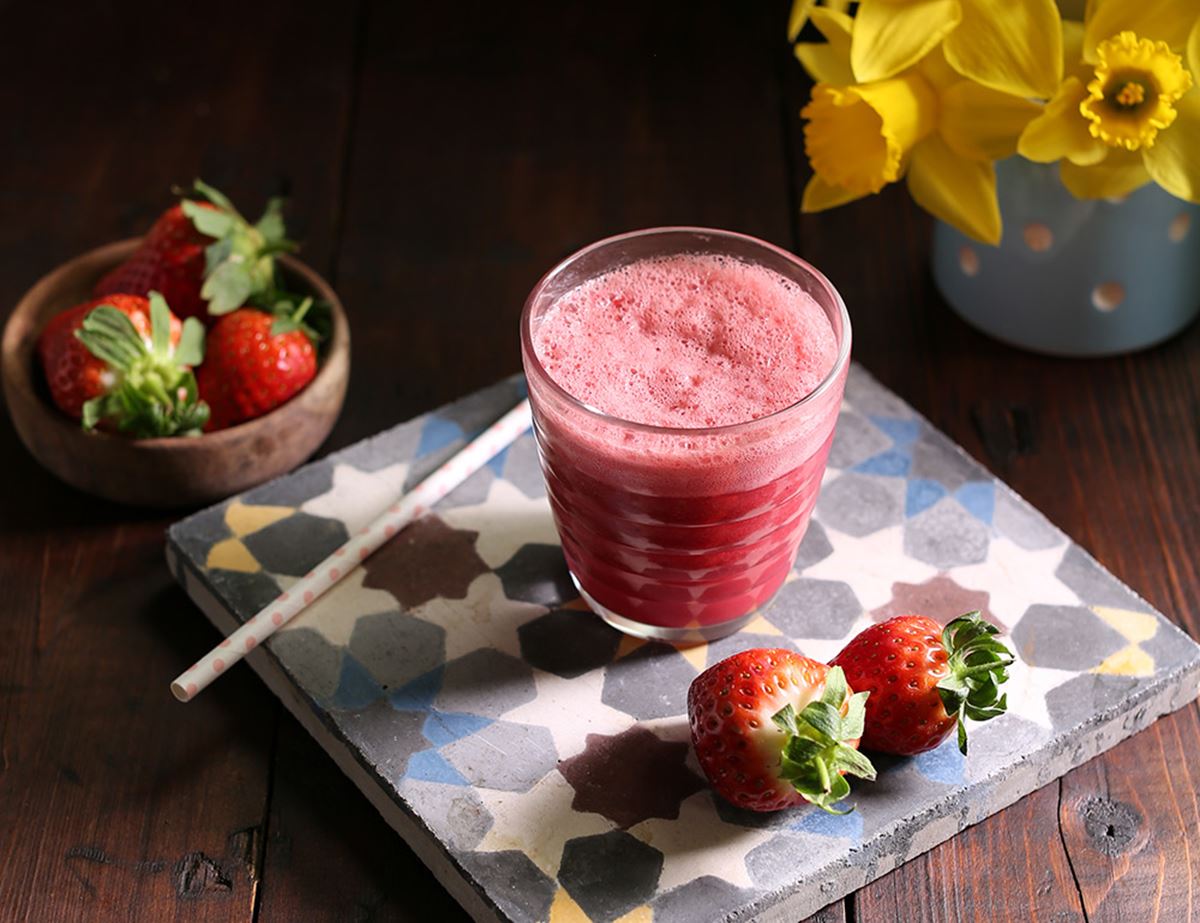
174	472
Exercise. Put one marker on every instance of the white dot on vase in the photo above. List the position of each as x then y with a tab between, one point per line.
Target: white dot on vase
968	260
1038	237
1107	296
1178	229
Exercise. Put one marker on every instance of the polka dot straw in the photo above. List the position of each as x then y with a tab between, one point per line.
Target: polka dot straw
398	514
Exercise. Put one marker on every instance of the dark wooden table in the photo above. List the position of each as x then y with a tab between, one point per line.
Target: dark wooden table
440	157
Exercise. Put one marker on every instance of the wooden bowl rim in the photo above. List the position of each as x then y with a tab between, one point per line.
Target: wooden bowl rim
18	362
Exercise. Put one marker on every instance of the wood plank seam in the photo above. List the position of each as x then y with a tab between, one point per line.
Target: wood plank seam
346	142
1067	852
345	150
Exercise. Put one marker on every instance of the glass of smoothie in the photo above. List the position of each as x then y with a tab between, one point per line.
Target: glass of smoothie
685	383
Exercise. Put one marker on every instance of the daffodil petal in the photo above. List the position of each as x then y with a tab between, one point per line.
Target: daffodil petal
820	195
983	123
835	25
891	37
1012	47
959	191
1193	49
1167	21
798	17
1118	175
1072	43
823	63
933	68
1061	131
1172	159
828	62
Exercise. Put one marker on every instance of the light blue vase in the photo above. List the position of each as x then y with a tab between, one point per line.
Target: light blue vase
1075	277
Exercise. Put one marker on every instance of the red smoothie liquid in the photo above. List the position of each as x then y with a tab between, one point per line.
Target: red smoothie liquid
682	490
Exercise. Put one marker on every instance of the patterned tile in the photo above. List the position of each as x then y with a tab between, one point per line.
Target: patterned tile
630	777
548	754
523	892
808	608
652	682
568	642
630	873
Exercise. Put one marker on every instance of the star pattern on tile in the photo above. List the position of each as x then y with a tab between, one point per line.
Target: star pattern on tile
871	564
940	598
334	614
484	618
538	822
697	843
357	497
506	521
426	561
557	708
1016	578
631	776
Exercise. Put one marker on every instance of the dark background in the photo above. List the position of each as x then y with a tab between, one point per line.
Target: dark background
440	157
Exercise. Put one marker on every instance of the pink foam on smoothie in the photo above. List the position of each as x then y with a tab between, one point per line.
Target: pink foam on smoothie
687	341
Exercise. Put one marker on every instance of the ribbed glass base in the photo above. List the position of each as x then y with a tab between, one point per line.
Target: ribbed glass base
688	634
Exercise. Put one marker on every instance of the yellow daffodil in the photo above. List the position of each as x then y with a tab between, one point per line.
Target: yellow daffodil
1009	45
926	123
1127	112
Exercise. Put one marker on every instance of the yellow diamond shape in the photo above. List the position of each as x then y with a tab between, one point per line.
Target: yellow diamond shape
231	554
760	626
627	645
695	654
243	519
565	910
1130	660
1133	626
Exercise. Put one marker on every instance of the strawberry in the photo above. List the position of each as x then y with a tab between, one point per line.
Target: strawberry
203	256
255	362
925	680
124	362
773	729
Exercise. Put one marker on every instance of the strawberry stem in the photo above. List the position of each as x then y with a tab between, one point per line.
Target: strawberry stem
239	263
978	667
155	391
817	754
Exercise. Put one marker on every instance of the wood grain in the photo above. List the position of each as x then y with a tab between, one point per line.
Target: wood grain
116	802
1129	822
1015	870
441	159
119	809
330	856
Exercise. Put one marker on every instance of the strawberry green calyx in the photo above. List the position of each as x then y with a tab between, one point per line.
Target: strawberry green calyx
290	317
154	392
240	262
817	754
978	666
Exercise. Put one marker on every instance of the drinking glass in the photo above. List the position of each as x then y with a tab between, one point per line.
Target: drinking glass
680	534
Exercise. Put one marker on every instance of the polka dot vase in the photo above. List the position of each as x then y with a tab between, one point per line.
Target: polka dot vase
1075	277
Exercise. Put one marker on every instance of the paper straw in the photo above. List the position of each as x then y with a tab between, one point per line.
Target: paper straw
413	505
